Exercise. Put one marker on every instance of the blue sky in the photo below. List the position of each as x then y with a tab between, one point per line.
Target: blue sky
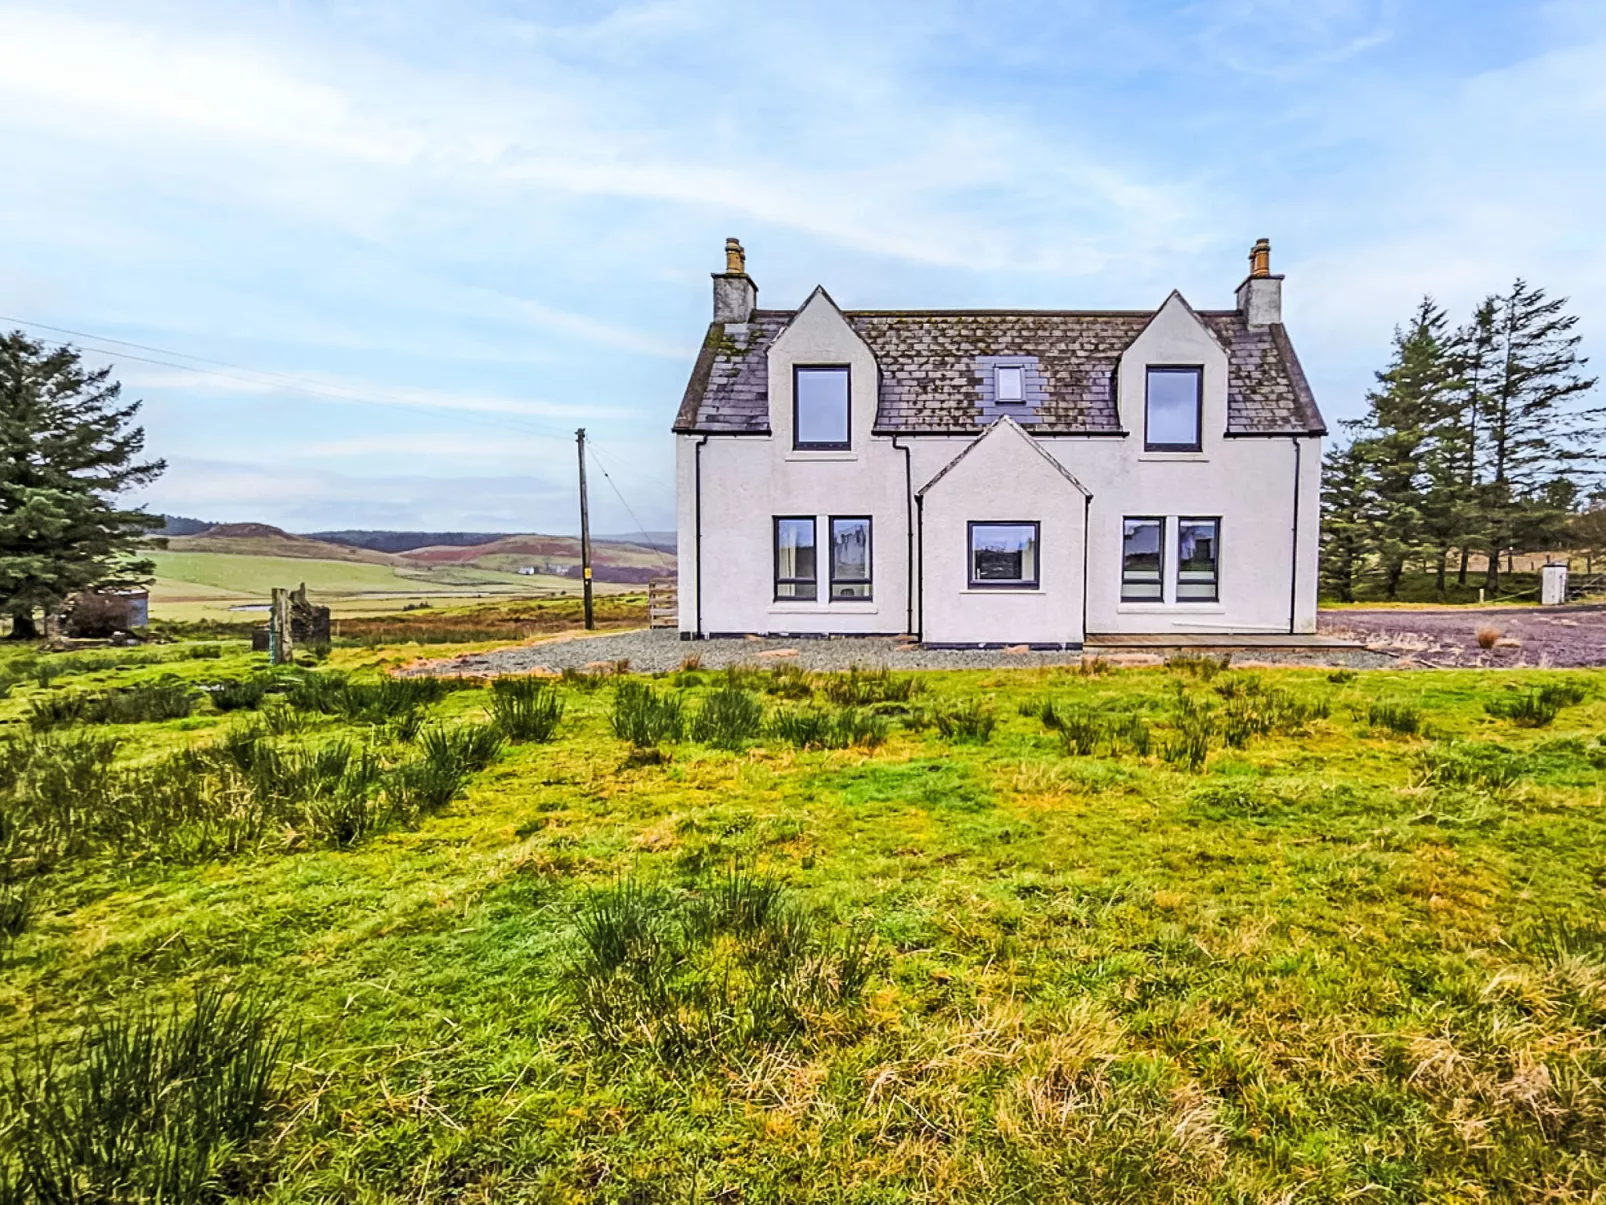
430	239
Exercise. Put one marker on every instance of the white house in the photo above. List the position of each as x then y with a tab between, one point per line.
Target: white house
996	477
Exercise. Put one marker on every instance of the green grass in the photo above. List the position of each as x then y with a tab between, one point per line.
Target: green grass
1307	954
258	575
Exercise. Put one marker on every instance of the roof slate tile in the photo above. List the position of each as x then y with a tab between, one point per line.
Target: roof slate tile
930	383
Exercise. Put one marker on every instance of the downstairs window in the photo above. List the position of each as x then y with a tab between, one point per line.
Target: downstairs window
795	575
1198	560
1003	555
1142	562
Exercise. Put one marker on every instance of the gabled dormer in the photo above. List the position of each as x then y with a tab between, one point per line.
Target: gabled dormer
822	382
1171	384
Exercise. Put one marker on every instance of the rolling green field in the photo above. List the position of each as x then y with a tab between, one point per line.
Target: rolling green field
207	585
1150	934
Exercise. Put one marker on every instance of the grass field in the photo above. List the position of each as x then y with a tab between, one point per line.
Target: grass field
212	585
1166	934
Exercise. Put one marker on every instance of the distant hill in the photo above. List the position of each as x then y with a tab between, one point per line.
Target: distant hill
406	541
262	539
178	525
530	556
666	540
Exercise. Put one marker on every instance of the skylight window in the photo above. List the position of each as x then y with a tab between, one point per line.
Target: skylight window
1010	383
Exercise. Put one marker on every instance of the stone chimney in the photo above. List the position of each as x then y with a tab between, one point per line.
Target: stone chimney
1260	297
735	294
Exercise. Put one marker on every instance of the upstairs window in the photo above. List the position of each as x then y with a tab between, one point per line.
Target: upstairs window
795	575
1198	560
1003	554
1142	560
1173	410
850	558
1009	383
820	407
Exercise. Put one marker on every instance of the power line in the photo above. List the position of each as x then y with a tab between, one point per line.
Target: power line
290	383
641	530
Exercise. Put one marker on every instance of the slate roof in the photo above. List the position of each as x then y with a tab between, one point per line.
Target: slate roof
930	382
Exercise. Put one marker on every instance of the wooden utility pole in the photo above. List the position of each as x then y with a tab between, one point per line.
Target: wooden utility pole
585	530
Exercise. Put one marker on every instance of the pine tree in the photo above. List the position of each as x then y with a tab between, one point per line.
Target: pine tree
1347	520
67	450
1403	448
1538	431
1474	359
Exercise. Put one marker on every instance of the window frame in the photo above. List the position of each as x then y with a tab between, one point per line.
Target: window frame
1215	592
998	392
1197	372
973	583
868	581
1160	553
847	422
776	580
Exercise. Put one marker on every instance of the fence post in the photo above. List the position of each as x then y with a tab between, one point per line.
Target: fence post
279	642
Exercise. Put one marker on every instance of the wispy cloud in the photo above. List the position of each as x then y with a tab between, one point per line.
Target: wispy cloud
447	219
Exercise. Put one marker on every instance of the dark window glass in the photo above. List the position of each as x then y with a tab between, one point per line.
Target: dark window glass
1172	421
850	558
822	408
1003	554
1198	560
1011	384
794	558
1142	541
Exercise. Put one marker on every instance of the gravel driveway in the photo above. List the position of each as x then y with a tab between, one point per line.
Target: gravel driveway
1531	636
653	651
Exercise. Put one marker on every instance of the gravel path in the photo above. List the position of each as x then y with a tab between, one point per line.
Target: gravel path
1530	636
653	651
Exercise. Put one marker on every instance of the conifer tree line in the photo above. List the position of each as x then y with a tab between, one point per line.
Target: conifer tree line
1484	438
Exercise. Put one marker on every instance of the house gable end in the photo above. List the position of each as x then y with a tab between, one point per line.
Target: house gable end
1005	441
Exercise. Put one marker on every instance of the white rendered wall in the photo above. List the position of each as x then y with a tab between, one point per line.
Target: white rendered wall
1002	479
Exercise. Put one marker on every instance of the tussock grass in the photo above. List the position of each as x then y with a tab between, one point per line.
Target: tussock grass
1197	665
1539	707
860	687
736	964
1402	719
1084	732
525	709
838	728
644	717
728	719
146	1106
969	721
146	703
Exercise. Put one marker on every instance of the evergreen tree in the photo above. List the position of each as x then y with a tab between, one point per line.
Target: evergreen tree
67	450
1406	455
1347	526
1473	359
1538	431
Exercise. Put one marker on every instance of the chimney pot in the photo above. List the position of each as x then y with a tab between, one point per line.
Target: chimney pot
735	294
1260	258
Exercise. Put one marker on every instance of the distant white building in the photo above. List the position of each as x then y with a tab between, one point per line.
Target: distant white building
997	477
